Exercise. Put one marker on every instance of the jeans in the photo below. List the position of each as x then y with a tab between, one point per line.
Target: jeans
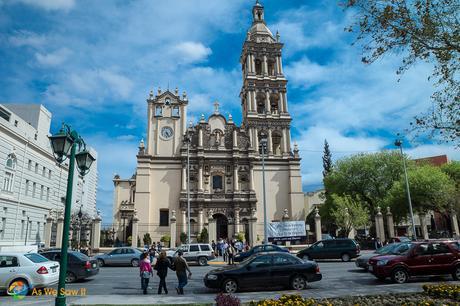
144	284
182	278
162	285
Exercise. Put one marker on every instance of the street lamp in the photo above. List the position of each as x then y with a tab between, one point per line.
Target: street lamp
398	143
188	140
64	141
263	149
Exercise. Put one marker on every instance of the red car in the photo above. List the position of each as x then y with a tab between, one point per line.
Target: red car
422	259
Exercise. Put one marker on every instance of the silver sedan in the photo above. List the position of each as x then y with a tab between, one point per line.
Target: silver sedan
124	256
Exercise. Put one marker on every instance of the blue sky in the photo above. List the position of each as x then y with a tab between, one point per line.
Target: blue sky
92	64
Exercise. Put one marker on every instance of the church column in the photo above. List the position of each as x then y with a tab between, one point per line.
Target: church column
288	140
265	72
251	138
270	142
267	102
236	186
59	231
48	226
253	100
200	219
253	63
200	137
157	137
256	140
284	144
237	220
277	66
249	101
251	179
200	177
280	61
184	177
281	102
284	102
235	139
184	221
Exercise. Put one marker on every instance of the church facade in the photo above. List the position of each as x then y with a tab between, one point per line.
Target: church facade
225	183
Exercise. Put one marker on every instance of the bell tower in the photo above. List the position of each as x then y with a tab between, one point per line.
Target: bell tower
263	93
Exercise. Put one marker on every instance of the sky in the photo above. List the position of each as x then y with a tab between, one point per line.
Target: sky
93	63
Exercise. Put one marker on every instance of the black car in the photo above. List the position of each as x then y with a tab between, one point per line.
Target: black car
273	269
342	248
259	248
79	266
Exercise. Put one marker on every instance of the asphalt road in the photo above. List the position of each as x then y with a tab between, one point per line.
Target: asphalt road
339	279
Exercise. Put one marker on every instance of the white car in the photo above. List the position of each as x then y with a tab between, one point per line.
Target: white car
26	271
198	252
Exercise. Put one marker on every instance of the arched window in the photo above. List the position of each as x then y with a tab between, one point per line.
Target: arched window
10	168
271	67
260	100
274	102
258	67
217	182
175	111
158	111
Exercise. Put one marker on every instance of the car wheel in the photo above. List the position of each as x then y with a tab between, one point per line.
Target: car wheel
135	262
345	257
298	283
230	286
70	277
400	276
202	261
456	273
100	263
16	280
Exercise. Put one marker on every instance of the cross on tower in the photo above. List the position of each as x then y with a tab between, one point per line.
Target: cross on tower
216	107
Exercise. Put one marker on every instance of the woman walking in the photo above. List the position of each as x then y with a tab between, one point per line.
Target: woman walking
162	266
181	267
145	271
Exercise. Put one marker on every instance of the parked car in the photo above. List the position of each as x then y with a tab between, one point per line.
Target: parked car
195	252
265	269
21	272
259	248
393	248
79	266
421	259
341	248
399	239
124	256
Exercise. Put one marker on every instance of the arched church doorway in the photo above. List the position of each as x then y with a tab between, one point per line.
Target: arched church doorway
221	226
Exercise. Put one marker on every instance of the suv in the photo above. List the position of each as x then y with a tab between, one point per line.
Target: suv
198	252
422	259
342	248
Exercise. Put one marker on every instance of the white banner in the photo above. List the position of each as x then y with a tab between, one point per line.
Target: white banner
286	229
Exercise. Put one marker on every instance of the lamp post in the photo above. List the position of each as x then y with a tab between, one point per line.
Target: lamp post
188	140
398	143
65	145
263	147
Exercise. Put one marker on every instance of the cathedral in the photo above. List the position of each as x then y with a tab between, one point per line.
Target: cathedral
224	185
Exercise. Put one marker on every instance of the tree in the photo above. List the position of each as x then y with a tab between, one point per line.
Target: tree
428	31
203	236
183	237
327	159
166	239
452	169
430	189
349	213
147	239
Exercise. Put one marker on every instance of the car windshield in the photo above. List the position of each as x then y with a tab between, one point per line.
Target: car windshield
387	249
401	249
34	257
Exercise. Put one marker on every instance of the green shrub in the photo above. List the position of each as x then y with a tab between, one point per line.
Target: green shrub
147	239
183	237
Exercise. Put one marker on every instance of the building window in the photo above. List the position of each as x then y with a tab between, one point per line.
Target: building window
27	187
176	112
22	228
167	101
47	194
4	114
158	111
43	171
35	137
217	182
49	174
3	227
36	167
10	168
42	188
164	217
34	189
16	123
29	165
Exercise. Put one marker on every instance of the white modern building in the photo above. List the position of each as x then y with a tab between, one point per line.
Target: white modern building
32	184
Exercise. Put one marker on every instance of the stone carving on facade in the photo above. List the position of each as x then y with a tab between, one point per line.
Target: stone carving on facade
243	141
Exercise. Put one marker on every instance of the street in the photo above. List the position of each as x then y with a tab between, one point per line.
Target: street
339	279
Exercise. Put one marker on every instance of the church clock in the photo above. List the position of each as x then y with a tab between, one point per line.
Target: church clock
167	132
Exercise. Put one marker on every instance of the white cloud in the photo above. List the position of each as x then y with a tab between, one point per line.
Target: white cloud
189	52
305	73
127	137
50	5
54	58
117	82
27	38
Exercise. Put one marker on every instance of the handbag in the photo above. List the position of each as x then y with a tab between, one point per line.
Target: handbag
145	274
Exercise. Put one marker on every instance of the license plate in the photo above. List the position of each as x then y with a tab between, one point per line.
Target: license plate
53	270
371	268
94	265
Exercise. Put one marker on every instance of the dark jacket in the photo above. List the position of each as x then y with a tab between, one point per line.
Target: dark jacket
162	266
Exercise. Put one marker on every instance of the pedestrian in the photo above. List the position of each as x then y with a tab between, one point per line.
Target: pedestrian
161	267
152	252
231	254
213	245
181	267
159	247
378	244
145	271
224	250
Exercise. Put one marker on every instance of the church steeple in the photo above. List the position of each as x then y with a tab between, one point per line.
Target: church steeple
263	94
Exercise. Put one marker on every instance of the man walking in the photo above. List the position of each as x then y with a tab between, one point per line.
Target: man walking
181	267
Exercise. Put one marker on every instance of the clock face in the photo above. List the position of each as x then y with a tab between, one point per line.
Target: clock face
166	132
